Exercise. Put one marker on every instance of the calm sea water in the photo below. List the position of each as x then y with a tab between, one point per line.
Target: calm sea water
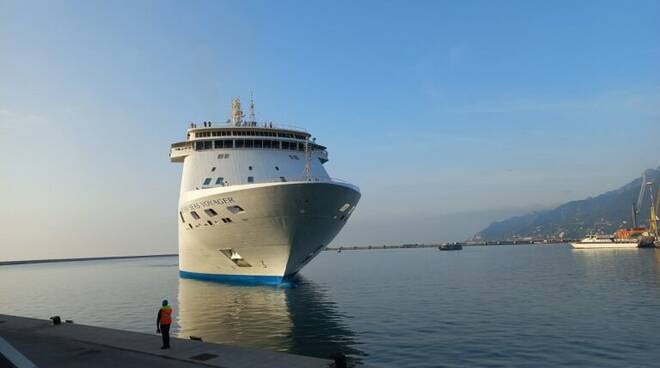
502	306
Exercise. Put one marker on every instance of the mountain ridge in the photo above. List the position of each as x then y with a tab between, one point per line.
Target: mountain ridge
602	214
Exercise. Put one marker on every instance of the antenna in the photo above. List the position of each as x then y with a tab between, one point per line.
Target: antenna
253	116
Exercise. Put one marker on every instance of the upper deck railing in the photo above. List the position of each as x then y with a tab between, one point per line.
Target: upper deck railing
283	179
253	124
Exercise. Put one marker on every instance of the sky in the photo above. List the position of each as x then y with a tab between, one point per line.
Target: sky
447	114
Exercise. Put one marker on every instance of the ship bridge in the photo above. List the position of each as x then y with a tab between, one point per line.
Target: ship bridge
213	136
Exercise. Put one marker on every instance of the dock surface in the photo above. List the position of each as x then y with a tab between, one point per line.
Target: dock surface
25	341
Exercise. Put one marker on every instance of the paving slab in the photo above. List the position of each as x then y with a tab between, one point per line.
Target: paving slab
75	345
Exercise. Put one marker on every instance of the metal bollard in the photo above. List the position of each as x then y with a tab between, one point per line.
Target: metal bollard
56	320
340	360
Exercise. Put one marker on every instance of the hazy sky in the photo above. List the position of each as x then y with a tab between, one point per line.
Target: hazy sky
447	114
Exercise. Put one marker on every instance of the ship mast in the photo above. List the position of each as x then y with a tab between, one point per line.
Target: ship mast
640	197
236	113
653	225
253	115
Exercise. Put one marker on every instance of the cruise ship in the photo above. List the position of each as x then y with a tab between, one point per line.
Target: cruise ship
256	203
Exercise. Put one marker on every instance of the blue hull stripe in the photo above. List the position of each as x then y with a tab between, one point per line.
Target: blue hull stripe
234	279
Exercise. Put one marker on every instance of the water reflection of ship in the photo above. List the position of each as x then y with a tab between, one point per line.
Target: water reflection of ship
300	320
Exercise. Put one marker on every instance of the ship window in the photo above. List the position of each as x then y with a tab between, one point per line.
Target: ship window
226	220
239	143
190	225
207	181
194	215
301	147
267	144
258	143
344	207
285	145
213	169
199	146
277	168
235	209
250	168
249	143
208	145
250	179
228	143
218	144
209	222
181	215
219	180
283	179
210	212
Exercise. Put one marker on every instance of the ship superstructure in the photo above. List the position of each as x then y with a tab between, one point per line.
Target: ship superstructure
256	203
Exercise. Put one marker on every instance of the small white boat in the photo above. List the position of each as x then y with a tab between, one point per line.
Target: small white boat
596	241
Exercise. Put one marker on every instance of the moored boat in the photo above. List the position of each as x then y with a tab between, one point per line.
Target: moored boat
451	246
600	241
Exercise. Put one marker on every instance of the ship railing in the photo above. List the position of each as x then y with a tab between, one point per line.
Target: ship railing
254	124
182	145
326	179
285	179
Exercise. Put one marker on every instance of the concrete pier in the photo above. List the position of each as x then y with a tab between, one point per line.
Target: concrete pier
26	341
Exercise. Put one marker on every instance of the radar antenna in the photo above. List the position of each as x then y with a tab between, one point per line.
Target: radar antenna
253	115
236	113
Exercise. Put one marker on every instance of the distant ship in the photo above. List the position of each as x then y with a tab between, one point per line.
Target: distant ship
600	241
256	203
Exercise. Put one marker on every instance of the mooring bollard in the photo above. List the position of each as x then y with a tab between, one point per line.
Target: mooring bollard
56	320
195	338
340	360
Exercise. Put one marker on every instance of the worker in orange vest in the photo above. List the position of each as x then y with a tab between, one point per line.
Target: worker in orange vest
163	322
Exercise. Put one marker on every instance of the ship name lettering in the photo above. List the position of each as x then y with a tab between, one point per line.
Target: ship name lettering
208	203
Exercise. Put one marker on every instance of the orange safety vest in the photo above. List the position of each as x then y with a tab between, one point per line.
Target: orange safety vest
166	315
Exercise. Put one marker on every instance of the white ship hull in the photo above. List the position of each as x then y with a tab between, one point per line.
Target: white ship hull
281	228
593	245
